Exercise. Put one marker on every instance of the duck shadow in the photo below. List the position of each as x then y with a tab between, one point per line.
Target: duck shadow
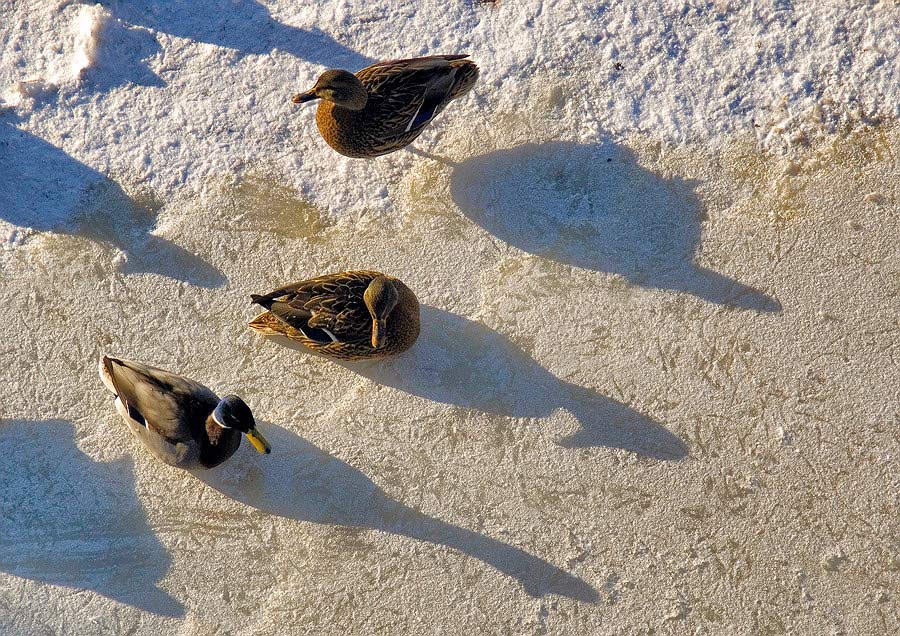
242	25
302	482
43	188
70	521
462	362
593	206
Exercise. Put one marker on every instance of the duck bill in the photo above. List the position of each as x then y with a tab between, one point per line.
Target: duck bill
378	331
259	442
302	98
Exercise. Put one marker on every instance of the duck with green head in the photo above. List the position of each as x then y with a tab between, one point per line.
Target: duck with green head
384	107
178	420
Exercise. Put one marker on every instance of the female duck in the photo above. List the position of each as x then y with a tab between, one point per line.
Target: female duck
180	421
384	107
351	315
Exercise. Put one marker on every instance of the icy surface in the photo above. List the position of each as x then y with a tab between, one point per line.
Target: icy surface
656	389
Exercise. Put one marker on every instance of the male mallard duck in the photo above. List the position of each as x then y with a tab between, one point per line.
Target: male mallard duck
350	315
180	421
385	106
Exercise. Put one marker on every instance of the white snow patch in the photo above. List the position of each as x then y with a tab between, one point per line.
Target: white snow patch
189	91
88	28
37	88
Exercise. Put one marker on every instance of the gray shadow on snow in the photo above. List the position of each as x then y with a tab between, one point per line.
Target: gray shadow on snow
43	188
595	207
242	25
302	482
462	362
68	520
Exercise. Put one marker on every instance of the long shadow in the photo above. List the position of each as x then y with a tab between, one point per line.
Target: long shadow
302	482
462	362
67	520
43	188
594	206
243	25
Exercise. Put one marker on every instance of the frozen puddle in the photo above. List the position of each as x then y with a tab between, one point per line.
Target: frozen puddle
644	372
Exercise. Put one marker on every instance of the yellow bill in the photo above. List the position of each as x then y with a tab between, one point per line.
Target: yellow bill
259	441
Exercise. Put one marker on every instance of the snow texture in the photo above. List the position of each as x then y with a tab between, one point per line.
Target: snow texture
657	385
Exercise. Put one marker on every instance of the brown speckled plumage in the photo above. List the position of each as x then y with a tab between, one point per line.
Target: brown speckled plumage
404	96
329	315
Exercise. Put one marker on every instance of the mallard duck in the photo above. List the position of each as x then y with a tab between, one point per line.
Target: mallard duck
349	315
180	421
384	107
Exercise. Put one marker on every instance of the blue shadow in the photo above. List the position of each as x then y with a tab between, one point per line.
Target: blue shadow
70	521
43	188
593	206
242	25
464	363
302	482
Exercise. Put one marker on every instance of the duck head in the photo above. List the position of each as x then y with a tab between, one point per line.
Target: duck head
380	297
341	87
232	412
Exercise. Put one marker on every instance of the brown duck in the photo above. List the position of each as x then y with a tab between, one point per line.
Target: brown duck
384	107
350	315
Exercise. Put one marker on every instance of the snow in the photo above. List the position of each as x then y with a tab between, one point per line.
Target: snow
657	382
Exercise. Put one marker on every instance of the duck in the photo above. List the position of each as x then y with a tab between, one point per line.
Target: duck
384	107
180	421
353	315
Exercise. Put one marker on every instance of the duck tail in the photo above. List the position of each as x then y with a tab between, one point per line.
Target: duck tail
264	301
466	76
106	373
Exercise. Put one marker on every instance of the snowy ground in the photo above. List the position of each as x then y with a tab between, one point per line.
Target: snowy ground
658	382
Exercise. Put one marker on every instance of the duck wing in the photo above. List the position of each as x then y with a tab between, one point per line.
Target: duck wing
326	309
164	402
410	91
